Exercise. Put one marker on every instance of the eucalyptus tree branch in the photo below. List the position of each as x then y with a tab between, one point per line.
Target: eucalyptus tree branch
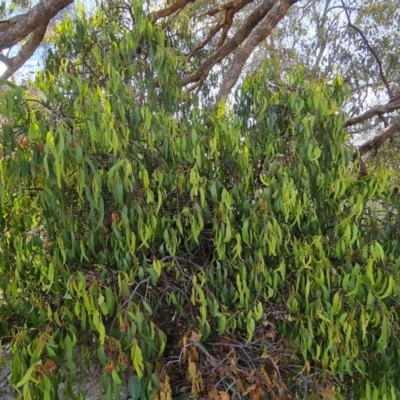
392	105
224	7
260	32
7	24
255	28
384	135
232	44
173	8
321	38
370	48
25	53
214	30
376	142
230	8
18	28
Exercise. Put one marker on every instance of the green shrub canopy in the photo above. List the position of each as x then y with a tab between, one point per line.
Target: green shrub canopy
131	211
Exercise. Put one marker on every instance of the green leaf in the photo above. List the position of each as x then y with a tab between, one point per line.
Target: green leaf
26	377
101	355
222	325
137	358
115	377
134	387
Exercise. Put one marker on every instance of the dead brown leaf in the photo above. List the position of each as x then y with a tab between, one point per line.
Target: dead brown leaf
255	391
265	376
213	394
250	376
240	385
164	390
327	394
223	395
249	390
195	379
195	337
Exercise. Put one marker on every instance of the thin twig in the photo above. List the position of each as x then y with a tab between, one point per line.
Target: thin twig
365	40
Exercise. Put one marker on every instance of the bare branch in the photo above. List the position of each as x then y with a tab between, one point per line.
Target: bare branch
240	36
7	24
391	106
228	20
27	23
374	144
166	12
4	59
373	52
210	35
26	52
33	23
263	30
230	8
234	4
380	138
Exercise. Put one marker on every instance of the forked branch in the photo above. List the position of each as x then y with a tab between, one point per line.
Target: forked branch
18	28
392	105
230	45
370	49
260	33
383	136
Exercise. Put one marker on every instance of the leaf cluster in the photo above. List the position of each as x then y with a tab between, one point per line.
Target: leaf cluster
132	215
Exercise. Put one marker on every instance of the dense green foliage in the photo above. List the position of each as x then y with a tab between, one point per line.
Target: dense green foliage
126	204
